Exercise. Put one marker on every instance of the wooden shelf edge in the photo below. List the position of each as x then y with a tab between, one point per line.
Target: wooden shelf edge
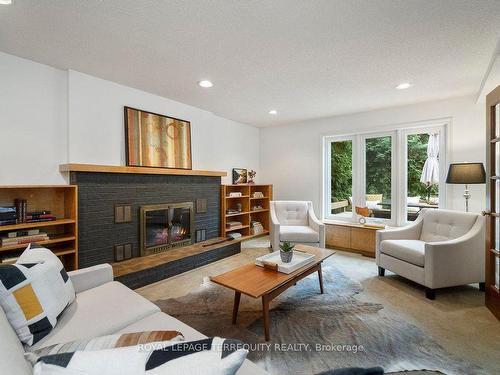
237	228
243	196
238	214
4	228
96	168
50	241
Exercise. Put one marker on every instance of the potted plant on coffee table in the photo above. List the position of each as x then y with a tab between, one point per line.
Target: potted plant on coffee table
286	252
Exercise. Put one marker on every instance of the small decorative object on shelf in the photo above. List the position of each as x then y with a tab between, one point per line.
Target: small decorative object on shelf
235	194
239	176
286	252
258	194
257	207
235	235
251	176
256	228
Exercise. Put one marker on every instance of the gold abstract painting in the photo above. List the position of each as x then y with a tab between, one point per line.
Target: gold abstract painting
155	140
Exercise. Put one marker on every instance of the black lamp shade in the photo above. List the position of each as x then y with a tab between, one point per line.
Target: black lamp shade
466	173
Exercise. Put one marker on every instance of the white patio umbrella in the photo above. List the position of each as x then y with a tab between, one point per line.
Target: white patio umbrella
430	172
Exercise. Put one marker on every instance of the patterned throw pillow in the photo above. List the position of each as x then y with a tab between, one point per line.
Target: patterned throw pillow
33	292
212	356
106	342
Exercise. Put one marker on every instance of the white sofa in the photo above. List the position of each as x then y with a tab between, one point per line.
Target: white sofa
102	307
442	248
295	222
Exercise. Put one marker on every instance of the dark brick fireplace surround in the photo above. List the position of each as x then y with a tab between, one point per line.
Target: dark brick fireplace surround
99	193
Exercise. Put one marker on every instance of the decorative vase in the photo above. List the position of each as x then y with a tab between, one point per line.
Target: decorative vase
286	256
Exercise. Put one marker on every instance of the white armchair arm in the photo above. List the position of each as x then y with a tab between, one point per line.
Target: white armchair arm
274	229
317	225
456	262
91	277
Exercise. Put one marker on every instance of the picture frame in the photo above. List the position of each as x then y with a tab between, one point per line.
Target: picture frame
155	140
239	176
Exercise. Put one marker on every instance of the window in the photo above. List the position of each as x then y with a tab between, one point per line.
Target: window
418	192
387	177
378	176
341	178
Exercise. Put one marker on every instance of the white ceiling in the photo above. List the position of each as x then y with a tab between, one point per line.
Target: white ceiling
307	59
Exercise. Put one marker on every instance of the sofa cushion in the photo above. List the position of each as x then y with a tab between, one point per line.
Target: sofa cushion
411	251
97	312
34	292
445	225
162	321
292	212
11	350
296	233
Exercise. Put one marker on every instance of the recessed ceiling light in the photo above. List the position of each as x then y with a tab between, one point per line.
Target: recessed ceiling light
403	86
5	2
273	112
205	84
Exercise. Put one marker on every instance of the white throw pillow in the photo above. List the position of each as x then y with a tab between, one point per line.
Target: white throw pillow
34	292
211	356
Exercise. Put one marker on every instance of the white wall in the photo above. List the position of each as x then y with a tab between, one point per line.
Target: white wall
96	127
33	122
292	158
50	117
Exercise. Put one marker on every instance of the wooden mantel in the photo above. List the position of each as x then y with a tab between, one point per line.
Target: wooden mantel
136	170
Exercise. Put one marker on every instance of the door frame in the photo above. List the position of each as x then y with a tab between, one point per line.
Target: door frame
492	292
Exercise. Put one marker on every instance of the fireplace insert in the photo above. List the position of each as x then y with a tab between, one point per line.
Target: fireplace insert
164	226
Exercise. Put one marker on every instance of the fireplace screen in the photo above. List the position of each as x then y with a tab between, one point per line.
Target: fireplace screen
165	226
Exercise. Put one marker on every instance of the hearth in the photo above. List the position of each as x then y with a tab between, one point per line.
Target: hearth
165	226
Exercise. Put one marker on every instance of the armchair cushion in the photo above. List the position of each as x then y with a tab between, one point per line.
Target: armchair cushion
411	251
445	225
292	212
297	233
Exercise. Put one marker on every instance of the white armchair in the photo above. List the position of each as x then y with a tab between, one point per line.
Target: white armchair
442	248
295	222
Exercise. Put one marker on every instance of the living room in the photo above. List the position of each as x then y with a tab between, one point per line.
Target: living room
249	187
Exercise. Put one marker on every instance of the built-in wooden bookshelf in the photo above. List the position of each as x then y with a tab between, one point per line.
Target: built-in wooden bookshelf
248	202
62	201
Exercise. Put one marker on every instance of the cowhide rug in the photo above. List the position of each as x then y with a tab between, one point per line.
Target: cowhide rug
306	327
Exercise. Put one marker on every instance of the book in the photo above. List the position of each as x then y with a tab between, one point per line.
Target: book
21	233
25	241
41	216
40	220
7	209
232	224
8	222
5	241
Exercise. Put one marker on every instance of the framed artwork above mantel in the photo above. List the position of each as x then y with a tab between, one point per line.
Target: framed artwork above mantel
154	140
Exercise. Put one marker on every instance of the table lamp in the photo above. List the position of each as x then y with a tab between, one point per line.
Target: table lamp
466	173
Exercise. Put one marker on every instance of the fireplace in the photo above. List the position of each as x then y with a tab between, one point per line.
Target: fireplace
164	226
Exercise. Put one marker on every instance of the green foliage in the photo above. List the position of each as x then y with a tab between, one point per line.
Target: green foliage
286	247
341	170
378	167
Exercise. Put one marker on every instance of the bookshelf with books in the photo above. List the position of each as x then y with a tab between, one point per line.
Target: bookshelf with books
44	214
245	209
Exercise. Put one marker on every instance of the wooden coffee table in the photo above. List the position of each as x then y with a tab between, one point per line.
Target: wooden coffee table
257	282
